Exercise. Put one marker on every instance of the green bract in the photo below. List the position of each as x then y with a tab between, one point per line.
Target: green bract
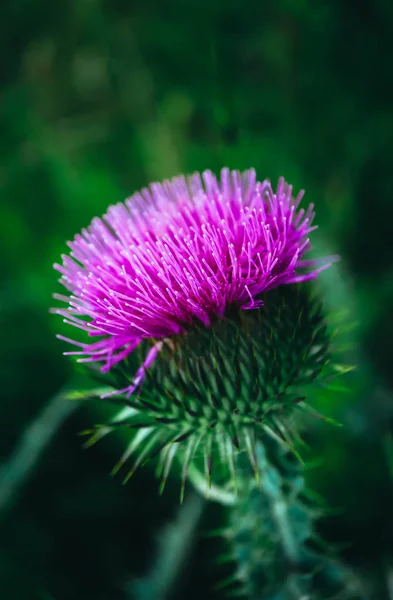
214	392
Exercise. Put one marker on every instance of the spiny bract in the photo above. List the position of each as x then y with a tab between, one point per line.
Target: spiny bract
184	286
215	391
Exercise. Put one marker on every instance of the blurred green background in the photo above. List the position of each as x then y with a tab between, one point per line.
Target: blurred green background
98	98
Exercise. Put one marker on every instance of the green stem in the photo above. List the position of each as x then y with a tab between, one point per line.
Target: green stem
271	533
210	492
173	548
35	439
280	515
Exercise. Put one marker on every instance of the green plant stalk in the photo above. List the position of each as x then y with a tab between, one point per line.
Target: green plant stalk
272	537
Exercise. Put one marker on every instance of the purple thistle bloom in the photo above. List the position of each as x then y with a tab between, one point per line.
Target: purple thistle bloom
180	254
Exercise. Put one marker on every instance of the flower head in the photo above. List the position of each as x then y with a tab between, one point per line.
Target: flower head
183	253
177	284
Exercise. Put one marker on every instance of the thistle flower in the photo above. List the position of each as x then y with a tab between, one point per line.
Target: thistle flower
178	278
182	254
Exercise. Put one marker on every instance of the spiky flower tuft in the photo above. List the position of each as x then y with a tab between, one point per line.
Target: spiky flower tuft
182	254
183	286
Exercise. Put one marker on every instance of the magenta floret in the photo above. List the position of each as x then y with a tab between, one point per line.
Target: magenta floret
182	253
